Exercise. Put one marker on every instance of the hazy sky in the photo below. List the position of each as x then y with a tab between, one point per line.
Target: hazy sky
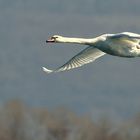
109	86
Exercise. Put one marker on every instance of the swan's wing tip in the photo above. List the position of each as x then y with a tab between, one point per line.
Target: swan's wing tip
46	70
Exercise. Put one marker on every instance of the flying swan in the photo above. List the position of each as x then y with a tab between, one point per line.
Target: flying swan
123	44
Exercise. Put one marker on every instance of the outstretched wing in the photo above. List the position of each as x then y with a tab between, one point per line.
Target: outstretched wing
84	57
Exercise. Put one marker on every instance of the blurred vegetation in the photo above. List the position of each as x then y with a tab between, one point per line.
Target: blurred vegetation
19	122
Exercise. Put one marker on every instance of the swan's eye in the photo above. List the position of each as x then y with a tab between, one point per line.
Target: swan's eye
54	37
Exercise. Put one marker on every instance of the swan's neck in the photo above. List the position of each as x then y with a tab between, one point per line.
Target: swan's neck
78	40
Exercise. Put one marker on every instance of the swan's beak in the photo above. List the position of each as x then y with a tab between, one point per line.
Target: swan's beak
51	40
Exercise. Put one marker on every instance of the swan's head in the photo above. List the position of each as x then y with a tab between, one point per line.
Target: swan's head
55	39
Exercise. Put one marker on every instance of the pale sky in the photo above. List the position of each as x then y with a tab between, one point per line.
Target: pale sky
109	86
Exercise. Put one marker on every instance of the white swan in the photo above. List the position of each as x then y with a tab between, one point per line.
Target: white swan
124	44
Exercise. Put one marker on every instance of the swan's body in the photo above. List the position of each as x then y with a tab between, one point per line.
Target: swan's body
124	44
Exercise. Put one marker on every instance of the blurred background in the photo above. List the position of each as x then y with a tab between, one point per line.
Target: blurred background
108	88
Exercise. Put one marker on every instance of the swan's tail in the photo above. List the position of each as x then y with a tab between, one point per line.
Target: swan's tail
47	70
